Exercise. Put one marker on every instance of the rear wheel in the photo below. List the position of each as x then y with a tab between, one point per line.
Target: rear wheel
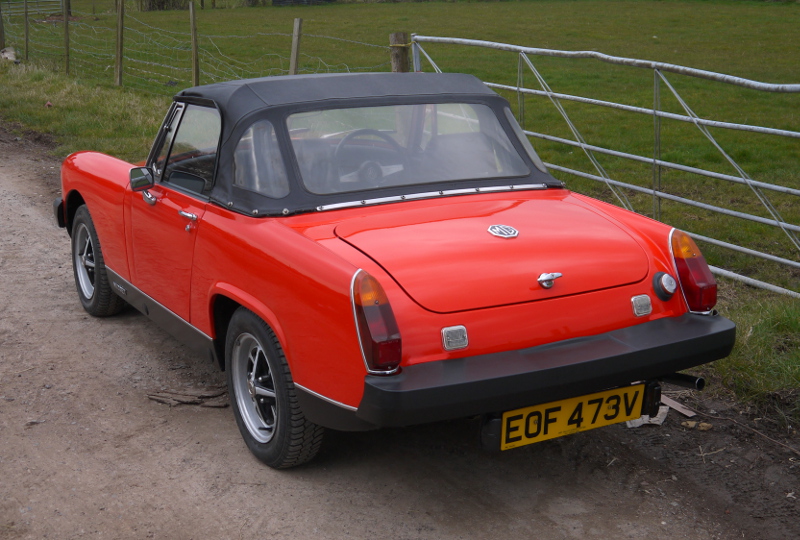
89	269
263	396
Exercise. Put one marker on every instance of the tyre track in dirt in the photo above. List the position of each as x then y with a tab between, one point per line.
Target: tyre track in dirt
85	453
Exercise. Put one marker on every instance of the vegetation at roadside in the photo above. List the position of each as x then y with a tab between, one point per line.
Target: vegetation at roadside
748	39
80	116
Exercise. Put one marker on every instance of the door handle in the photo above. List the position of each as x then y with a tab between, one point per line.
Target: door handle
149	198
187	215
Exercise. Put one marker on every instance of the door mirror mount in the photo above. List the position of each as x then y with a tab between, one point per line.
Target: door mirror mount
141	179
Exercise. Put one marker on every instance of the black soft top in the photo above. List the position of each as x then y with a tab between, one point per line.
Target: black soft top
236	99
242	102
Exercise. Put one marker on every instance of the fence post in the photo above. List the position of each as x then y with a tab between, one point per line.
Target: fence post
656	145
25	9
2	30
398	51
120	28
66	35
415	54
296	34
195	51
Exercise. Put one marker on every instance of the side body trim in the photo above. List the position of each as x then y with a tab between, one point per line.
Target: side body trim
163	317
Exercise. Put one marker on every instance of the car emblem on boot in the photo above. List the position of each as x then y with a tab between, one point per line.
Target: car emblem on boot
503	231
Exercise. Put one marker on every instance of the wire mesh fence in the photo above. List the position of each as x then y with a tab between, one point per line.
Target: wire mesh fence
157	58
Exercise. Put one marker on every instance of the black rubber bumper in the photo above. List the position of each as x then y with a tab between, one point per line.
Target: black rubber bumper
492	383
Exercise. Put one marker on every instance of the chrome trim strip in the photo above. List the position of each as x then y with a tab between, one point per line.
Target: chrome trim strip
431	195
358	332
167	320
324	398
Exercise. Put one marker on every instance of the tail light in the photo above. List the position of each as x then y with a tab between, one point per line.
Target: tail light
698	284
379	337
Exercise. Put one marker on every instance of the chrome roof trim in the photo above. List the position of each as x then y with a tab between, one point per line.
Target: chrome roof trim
430	195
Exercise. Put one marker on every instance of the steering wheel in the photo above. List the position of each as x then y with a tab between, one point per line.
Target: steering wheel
370	171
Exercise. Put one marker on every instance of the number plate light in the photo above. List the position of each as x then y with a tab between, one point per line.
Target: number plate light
641	305
454	338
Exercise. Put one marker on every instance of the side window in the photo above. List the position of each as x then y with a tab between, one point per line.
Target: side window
193	157
257	162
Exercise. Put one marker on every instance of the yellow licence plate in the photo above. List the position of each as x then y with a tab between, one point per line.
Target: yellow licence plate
550	420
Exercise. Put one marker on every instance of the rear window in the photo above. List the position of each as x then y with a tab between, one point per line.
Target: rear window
356	149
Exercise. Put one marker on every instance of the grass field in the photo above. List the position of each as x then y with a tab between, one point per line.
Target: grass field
755	40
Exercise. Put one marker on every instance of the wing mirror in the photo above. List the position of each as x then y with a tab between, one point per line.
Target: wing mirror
141	179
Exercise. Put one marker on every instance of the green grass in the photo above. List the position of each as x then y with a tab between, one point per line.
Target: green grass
755	40
80	116
764	369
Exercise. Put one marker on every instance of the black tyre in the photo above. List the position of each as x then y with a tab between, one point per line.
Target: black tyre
263	396
88	266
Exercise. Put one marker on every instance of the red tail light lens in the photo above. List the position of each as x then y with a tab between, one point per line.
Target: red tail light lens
698	284
377	328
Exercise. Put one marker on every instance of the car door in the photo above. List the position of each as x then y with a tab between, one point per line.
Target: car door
165	219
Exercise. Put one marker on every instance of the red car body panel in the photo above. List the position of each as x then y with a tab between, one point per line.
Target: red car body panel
102	182
424	249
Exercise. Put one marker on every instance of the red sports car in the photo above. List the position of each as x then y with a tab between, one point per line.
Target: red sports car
369	250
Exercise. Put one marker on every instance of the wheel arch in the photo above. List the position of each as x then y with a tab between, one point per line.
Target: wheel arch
73	201
225	301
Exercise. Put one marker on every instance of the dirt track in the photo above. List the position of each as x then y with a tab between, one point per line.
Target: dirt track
85	453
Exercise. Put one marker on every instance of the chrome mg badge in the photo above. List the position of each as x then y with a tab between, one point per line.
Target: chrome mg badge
503	231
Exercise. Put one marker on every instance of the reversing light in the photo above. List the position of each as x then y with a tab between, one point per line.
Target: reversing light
664	285
379	337
698	284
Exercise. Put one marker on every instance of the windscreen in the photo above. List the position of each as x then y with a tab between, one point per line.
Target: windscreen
355	149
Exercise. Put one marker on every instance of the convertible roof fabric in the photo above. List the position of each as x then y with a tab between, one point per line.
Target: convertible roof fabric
244	101
272	91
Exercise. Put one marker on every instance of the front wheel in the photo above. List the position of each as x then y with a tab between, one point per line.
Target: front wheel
263	396
88	266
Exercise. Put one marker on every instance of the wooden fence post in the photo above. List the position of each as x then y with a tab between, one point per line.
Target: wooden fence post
25	9
66	36
120	28
195	51
2	30
398	44
293	59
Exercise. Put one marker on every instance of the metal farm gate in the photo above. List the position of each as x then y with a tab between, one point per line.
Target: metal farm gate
758	189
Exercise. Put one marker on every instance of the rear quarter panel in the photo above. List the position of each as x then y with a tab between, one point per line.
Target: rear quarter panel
295	285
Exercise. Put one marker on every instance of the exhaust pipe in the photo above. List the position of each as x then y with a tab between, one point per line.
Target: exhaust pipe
686	381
